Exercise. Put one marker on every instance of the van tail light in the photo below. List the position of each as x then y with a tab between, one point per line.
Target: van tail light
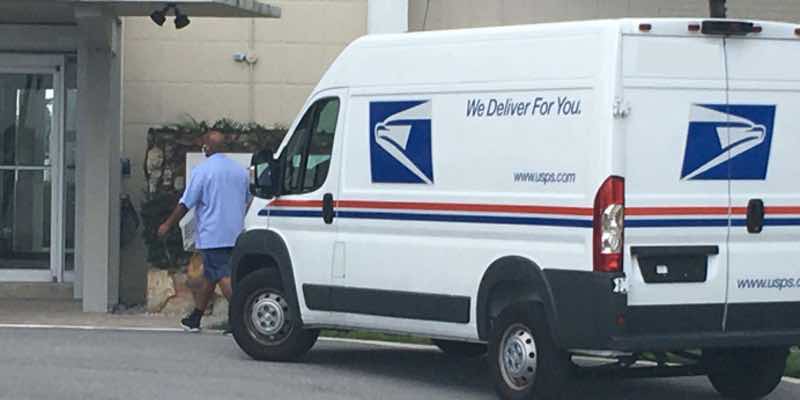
608	224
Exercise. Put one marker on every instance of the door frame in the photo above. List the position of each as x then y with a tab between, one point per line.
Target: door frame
53	65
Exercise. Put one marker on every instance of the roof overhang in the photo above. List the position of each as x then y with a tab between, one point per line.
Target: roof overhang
192	8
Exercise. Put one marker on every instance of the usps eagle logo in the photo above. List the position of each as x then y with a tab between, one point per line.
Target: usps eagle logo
728	142
400	141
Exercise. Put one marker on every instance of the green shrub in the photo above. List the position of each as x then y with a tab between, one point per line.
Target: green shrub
793	364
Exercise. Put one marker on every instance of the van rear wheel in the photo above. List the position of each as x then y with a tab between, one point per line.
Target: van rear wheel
262	321
524	361
745	374
460	349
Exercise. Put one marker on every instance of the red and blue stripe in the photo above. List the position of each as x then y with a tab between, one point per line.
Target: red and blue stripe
535	215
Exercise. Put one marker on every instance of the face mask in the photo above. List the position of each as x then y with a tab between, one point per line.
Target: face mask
204	149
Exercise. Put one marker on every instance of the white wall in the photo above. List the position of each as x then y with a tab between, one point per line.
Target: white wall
450	14
387	16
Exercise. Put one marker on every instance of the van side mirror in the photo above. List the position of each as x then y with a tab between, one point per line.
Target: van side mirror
264	175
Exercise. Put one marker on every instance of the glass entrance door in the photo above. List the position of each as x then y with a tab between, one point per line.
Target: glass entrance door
31	199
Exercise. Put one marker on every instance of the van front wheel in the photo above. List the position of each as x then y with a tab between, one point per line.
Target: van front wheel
745	374
262	321
524	361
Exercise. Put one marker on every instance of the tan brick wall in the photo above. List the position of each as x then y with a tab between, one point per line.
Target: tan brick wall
170	74
449	14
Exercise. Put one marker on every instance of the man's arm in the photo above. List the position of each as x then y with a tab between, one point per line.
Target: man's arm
178	213
191	196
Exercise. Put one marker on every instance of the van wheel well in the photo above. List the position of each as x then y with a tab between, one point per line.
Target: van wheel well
509	281
255	262
507	294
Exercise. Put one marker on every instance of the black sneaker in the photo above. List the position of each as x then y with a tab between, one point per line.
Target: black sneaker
192	321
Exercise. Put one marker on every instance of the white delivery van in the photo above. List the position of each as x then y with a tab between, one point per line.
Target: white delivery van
537	192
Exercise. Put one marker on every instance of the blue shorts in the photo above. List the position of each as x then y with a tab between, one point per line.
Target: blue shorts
217	263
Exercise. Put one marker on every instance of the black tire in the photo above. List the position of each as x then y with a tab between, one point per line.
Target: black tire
548	365
289	341
745	374
460	349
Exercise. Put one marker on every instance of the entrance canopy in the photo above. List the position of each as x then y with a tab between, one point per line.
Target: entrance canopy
63	11
193	8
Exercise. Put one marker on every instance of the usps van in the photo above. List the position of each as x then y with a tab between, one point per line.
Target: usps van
539	192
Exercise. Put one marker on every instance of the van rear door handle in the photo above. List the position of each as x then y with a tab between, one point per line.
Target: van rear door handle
327	208
755	216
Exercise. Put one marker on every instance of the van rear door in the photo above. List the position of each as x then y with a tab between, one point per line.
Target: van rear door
764	167
677	207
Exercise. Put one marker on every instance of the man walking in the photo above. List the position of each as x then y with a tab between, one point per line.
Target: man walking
218	191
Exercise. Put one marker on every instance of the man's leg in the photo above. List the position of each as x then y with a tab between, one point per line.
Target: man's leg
225	285
202	294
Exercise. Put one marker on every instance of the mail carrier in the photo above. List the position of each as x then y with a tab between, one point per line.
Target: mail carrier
539	192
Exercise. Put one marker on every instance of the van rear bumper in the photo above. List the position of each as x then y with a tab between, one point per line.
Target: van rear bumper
585	309
588	314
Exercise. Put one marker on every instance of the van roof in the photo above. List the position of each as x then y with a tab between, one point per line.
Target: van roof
398	59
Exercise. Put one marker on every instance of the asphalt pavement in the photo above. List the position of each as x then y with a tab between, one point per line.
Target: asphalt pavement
91	364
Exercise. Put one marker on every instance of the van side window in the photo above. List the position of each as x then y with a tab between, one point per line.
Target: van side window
293	155
308	153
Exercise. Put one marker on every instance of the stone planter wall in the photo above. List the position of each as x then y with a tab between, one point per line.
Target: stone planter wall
173	270
165	175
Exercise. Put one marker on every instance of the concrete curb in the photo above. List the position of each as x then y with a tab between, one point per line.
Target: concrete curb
91	328
793	381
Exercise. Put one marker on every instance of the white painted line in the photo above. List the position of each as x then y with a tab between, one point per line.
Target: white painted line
405	346
90	328
794	381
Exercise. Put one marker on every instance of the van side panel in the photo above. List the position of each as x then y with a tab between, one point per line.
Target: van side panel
460	152
676	227
764	285
511	184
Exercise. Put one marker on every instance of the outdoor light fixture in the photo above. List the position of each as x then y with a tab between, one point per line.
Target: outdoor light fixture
160	16
181	19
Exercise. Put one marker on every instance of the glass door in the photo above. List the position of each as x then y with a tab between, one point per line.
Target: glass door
31	196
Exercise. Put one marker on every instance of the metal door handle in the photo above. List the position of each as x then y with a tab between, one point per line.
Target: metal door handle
327	208
755	216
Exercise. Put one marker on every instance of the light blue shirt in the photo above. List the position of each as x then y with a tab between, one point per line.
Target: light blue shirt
218	191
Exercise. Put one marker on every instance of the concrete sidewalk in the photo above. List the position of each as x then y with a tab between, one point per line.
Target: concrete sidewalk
68	313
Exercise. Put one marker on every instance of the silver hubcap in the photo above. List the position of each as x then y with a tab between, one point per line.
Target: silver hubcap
268	314
518	357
